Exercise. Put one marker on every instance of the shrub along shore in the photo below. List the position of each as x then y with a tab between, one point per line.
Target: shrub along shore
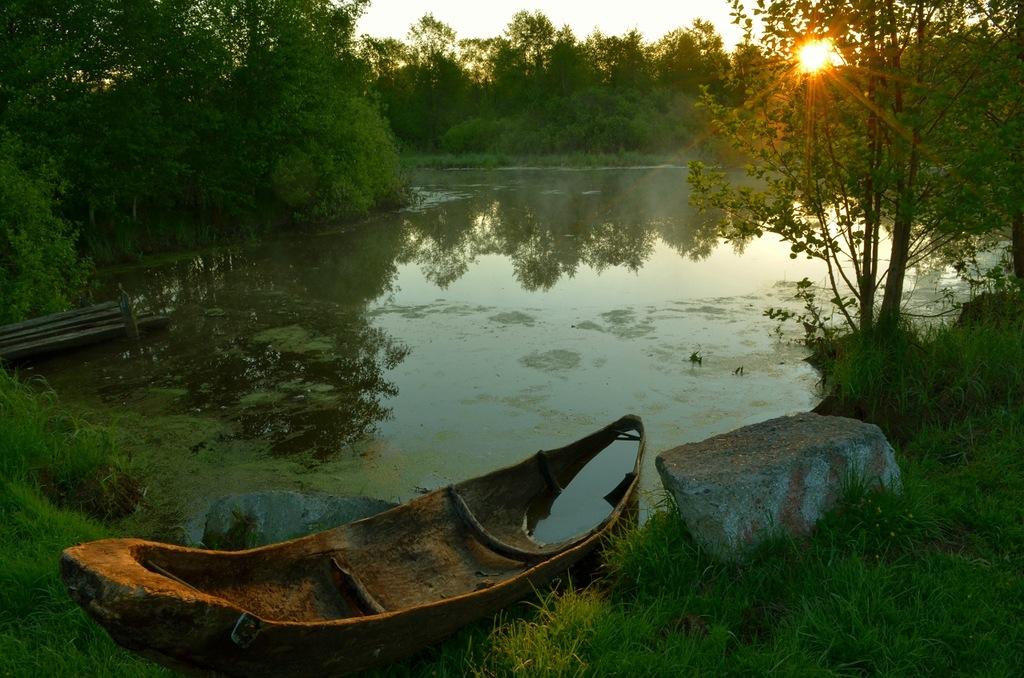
925	582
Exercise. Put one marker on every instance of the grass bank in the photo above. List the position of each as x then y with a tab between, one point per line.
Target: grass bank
58	478
929	581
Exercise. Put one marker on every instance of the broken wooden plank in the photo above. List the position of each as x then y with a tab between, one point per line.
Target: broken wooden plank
82	337
67	324
42	320
58	329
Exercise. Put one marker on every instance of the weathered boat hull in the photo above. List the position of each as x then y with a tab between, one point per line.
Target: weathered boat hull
361	595
297	648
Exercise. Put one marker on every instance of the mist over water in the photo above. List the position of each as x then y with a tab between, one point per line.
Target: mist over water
503	312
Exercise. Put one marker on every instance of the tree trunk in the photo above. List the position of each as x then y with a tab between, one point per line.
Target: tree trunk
868	282
906	207
867	306
892	301
1017	225
903	224
1017	231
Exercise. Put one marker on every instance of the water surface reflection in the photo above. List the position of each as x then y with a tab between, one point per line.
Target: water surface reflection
503	313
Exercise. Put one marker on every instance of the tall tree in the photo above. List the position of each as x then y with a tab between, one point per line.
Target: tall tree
622	61
686	59
996	38
568	70
521	60
437	81
851	151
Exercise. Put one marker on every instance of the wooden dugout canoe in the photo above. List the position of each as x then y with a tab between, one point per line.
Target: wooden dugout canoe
363	594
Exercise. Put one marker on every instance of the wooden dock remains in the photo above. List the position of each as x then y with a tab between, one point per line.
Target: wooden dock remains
72	329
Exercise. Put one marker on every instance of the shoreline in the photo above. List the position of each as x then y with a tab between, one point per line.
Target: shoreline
569	161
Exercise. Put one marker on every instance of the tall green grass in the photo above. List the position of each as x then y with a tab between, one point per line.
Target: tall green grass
39	439
933	377
42	448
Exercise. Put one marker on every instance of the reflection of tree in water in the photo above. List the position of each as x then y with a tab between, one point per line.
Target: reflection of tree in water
303	390
442	248
350	270
275	338
550	223
281	347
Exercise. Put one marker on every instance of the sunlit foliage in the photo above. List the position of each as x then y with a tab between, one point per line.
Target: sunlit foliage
864	161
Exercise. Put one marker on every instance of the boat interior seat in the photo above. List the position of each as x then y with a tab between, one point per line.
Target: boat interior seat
354	591
484	536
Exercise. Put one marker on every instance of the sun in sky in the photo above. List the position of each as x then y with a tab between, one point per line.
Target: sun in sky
816	55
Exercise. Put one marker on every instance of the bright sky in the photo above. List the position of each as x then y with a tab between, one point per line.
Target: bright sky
488	18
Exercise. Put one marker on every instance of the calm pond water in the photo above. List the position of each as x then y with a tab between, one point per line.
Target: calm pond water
505	312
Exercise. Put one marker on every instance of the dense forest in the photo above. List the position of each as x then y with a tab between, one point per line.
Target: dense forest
540	88
126	123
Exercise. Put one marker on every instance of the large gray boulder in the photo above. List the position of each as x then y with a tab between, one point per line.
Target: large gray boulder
257	518
735	490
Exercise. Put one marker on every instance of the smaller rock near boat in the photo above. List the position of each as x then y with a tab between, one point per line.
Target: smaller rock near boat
257	518
735	490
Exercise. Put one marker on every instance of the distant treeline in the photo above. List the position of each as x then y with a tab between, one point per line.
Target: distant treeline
128	122
538	88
